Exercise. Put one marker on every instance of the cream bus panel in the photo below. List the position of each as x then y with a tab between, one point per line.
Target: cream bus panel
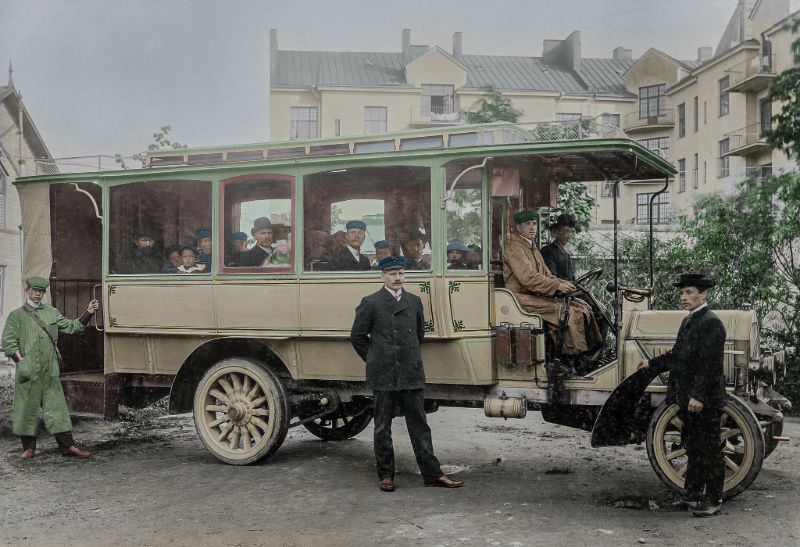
468	305
160	305
270	306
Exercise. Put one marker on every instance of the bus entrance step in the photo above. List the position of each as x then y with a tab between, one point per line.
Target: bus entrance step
91	393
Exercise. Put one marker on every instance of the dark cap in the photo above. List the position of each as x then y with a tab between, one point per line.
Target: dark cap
565	220
456	245
238	236
200	233
382	244
414	235
392	263
524	216
143	232
261	223
36	282
701	281
355	225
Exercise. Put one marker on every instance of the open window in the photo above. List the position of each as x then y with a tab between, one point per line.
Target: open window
150	221
465	219
258	224
391	204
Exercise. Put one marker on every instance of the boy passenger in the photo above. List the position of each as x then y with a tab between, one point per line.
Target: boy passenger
189	264
350	258
412	252
382	249
203	239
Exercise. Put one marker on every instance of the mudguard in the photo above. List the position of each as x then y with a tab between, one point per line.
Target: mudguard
618	418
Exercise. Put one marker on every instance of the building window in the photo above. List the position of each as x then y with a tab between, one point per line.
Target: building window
303	124
682	175
724	159
696	172
724	96
337	127
662	212
659	145
652	100
437	99
375	119
705	112
765	112
696	114
607	189
681	120
609	124
705	171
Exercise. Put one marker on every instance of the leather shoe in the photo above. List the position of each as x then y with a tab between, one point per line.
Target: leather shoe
386	485
75	452
445	482
28	454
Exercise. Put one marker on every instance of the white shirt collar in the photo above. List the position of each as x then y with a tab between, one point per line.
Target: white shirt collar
698	308
526	239
395	294
353	251
33	304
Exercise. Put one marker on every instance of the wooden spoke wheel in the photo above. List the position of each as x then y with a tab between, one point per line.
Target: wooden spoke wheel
743	448
241	411
348	422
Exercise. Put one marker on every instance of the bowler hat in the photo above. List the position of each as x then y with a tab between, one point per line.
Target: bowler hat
392	263
565	220
261	223
355	225
524	216
35	282
699	280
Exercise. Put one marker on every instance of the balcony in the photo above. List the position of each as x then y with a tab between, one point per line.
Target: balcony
754	74
646	120
433	116
746	141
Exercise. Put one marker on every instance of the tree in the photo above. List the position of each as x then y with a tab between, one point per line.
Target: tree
160	142
786	87
494	108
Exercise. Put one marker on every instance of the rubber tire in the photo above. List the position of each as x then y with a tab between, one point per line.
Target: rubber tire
751	430
277	402
347	431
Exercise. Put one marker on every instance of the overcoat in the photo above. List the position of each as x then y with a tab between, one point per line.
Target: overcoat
387	335
36	382
343	260
253	257
527	276
558	261
695	362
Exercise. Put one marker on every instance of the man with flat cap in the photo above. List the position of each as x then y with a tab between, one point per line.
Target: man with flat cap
555	253
30	339
538	290
697	386
387	332
140	256
202	237
261	253
349	258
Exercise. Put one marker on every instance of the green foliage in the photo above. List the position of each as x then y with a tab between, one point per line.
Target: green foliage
161	141
573	197
494	108
785	135
464	216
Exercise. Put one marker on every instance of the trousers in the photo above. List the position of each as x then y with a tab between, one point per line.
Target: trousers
412	403
64	440
705	472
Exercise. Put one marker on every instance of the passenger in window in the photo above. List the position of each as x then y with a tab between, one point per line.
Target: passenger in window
237	244
413	247
140	256
172	257
555	253
261	253
350	258
474	257
382	249
456	251
203	239
189	263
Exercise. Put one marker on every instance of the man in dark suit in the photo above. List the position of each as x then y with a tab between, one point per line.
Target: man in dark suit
349	258
261	253
555	253
697	385
387	333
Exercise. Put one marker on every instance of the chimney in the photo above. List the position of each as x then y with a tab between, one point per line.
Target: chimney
622	54
549	45
273	53
565	54
406	45
704	54
457	45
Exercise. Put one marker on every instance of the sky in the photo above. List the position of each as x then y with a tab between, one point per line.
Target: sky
100	76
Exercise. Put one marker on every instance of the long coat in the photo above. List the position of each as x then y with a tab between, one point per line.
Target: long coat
558	261
253	257
387	334
343	260
527	275
695	362
36	381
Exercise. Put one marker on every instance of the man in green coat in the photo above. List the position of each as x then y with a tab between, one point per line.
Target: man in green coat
30	339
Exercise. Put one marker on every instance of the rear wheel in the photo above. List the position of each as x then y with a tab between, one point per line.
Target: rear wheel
743	448
241	411
350	420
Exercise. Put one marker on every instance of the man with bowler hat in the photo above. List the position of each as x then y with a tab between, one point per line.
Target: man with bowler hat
697	385
555	253
30	339
261	253
387	332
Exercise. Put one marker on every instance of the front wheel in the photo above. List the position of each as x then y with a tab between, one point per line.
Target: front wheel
743	449
241	411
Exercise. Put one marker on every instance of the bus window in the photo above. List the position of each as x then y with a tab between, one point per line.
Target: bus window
258	226
464	220
352	217
148	218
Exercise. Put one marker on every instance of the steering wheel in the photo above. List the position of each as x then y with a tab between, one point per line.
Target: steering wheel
589	278
583	287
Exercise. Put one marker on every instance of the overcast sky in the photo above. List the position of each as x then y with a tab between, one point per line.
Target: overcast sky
99	76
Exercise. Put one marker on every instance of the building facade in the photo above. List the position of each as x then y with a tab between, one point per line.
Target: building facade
705	115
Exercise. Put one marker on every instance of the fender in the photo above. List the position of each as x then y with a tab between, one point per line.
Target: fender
618	422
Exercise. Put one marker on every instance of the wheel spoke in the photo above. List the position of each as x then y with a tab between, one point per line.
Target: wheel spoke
246	384
258	402
254	432
730	433
734	448
259	412
682	469
258	422
677	422
730	464
225	431
252	392
220	396
674	438
216	408
676	454
246	437
234	444
226	386
218	421
237	385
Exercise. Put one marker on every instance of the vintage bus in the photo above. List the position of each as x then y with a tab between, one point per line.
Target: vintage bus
256	348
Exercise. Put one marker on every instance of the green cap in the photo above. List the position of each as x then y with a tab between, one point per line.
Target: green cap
525	215
37	283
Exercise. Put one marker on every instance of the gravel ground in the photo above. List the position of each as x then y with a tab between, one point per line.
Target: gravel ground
151	482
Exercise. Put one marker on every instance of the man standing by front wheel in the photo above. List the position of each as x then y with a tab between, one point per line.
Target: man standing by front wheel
387	333
697	385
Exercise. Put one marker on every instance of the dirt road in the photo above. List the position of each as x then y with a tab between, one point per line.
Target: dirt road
528	483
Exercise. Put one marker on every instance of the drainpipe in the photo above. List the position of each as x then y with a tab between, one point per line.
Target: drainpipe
650	214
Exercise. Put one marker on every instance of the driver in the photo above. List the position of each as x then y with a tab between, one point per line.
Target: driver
538	290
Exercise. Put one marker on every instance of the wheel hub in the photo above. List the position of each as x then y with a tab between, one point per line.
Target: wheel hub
237	411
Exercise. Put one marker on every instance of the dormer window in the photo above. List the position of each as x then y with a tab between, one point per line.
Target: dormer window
652	101
437	99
